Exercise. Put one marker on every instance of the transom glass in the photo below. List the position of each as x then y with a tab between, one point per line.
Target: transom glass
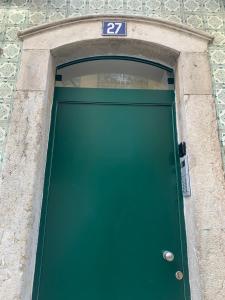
123	74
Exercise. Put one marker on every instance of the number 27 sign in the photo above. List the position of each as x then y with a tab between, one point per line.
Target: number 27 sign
114	28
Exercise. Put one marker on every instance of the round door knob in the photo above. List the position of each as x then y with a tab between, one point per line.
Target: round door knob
168	256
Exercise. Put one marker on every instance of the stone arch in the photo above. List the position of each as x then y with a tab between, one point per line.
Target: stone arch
45	46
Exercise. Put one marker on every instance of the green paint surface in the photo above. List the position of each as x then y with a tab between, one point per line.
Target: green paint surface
112	199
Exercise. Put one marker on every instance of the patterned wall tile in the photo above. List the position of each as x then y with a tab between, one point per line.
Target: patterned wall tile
172	5
75	13
4	111
78	4
37	4
3	132
19	3
195	21
135	5
3	15
173	18
152	13
1	154
11	33
6	88
221	115
220	94
214	22
153	5
212	5
218	74
219	38
55	15
4	2
96	4
217	56
11	51
115	4
192	5
58	4
222	136
2	32
147	11
223	5
17	16
8	70
36	17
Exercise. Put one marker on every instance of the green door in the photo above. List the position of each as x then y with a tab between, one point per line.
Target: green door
112	200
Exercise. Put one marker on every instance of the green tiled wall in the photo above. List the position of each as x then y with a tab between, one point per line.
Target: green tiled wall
15	15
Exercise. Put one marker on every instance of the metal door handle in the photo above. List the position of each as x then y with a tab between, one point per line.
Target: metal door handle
168	256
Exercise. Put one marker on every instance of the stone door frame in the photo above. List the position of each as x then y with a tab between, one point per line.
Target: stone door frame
172	44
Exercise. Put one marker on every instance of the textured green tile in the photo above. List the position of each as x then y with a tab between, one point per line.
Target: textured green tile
8	69
55	15
222	137
154	5
192	5
2	32
53	4
1	156
38	4
219	38
115	5
99	4
3	15
217	56
221	115
19	3
195	21
218	73
172	6
5	3
37	17
173	17
215	22
5	109
11	51
6	89
211	6
17	16
135	5
11	32
151	13
75	13
80	4
3	132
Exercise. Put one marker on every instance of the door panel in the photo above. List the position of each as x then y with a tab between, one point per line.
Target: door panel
112	202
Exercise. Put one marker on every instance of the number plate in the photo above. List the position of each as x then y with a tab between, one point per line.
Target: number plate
114	28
